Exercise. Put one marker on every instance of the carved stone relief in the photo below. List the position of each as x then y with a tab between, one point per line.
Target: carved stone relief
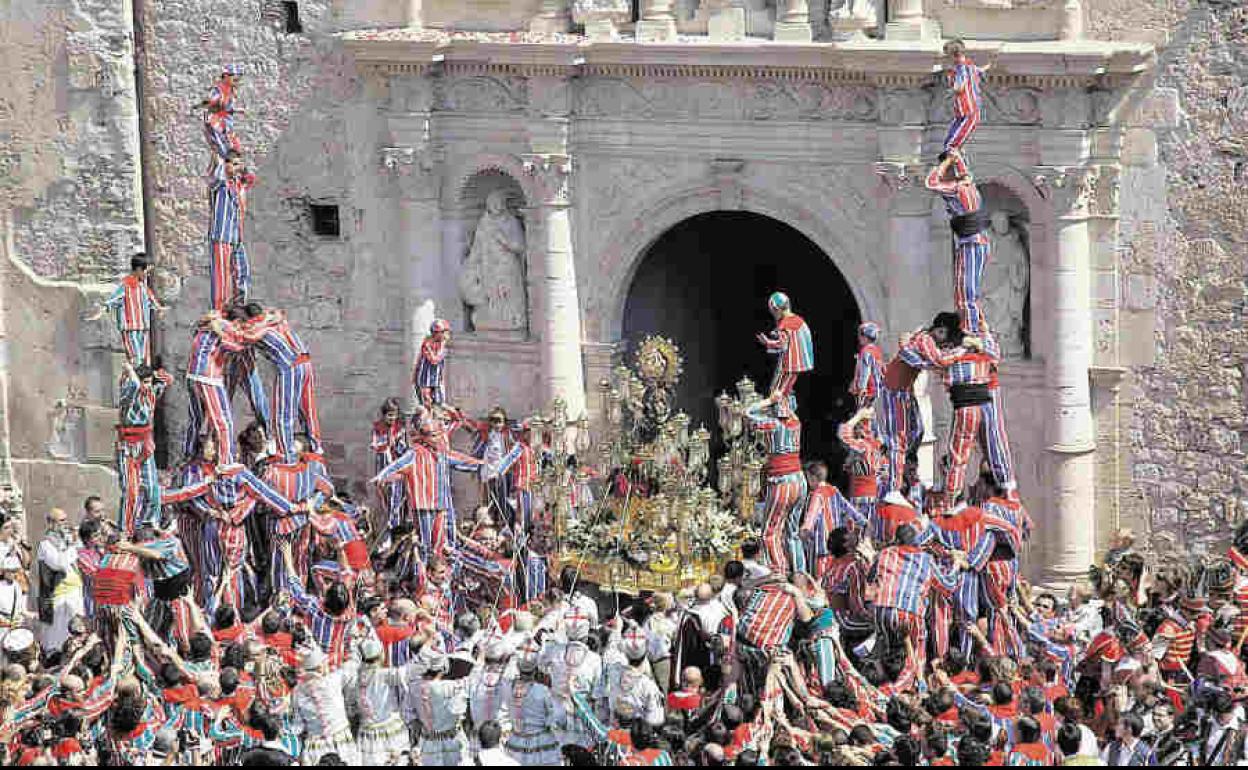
739	100
481	93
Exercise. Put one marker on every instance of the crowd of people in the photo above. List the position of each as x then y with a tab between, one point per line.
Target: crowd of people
244	610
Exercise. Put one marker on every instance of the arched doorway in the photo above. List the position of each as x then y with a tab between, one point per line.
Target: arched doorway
704	283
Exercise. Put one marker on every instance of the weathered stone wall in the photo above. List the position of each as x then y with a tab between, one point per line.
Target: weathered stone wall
70	218
1185	226
310	133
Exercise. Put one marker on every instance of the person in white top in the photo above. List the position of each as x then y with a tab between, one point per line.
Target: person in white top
57	562
13	612
488	735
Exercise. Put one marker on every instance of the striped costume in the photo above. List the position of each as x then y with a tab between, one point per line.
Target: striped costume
904	577
429	375
767	620
1240	592
900	421
792	344
231	494
136	451
294	388
784	499
971	247
229	267
866	467
506	466
868	374
966	81
1176	639
330	632
303	481
241	372
425	474
388	443
844	580
985	539
978	415
827	510
131	304
219	119
208	398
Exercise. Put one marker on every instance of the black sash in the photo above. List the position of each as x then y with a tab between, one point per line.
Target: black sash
969	394
965	225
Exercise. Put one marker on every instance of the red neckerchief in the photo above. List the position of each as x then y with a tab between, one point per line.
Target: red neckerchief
1037	752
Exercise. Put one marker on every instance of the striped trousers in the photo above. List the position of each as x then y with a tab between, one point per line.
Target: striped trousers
960	130
782	382
240	372
230	273
983	424
211	401
784	504
294	397
431	526
898	625
1000	578
138	346
969	259
140	487
901	428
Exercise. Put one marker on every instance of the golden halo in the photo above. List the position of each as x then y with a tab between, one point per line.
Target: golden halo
658	360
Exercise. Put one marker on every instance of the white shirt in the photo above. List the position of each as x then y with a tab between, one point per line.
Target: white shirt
496	757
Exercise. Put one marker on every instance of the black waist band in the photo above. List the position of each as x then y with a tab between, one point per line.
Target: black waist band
966	225
969	394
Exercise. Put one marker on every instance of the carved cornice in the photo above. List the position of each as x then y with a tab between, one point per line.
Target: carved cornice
886	64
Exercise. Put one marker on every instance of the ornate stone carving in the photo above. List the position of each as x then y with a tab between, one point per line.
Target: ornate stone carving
1068	189
550	173
480	93
491	282
904	106
413	170
1106	186
1007	282
740	100
897	177
1013	106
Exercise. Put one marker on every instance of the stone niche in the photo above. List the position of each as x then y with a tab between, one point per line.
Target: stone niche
481	15
489	250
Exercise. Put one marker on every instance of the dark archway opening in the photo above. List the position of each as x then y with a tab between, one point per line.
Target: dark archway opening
704	283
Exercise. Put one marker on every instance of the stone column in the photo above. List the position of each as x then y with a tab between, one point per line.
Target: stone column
554	16
415	14
560	324
793	21
658	23
908	240
908	22
1070	531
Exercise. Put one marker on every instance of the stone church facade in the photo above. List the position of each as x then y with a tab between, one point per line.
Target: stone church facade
576	134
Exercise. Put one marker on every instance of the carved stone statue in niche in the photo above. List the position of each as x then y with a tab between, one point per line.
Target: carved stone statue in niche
1007	281
491	282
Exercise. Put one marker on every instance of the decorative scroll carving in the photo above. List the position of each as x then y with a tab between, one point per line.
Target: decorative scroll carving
1106	186
897	177
480	93
1068	189
413	170
739	100
1013	106
550	173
